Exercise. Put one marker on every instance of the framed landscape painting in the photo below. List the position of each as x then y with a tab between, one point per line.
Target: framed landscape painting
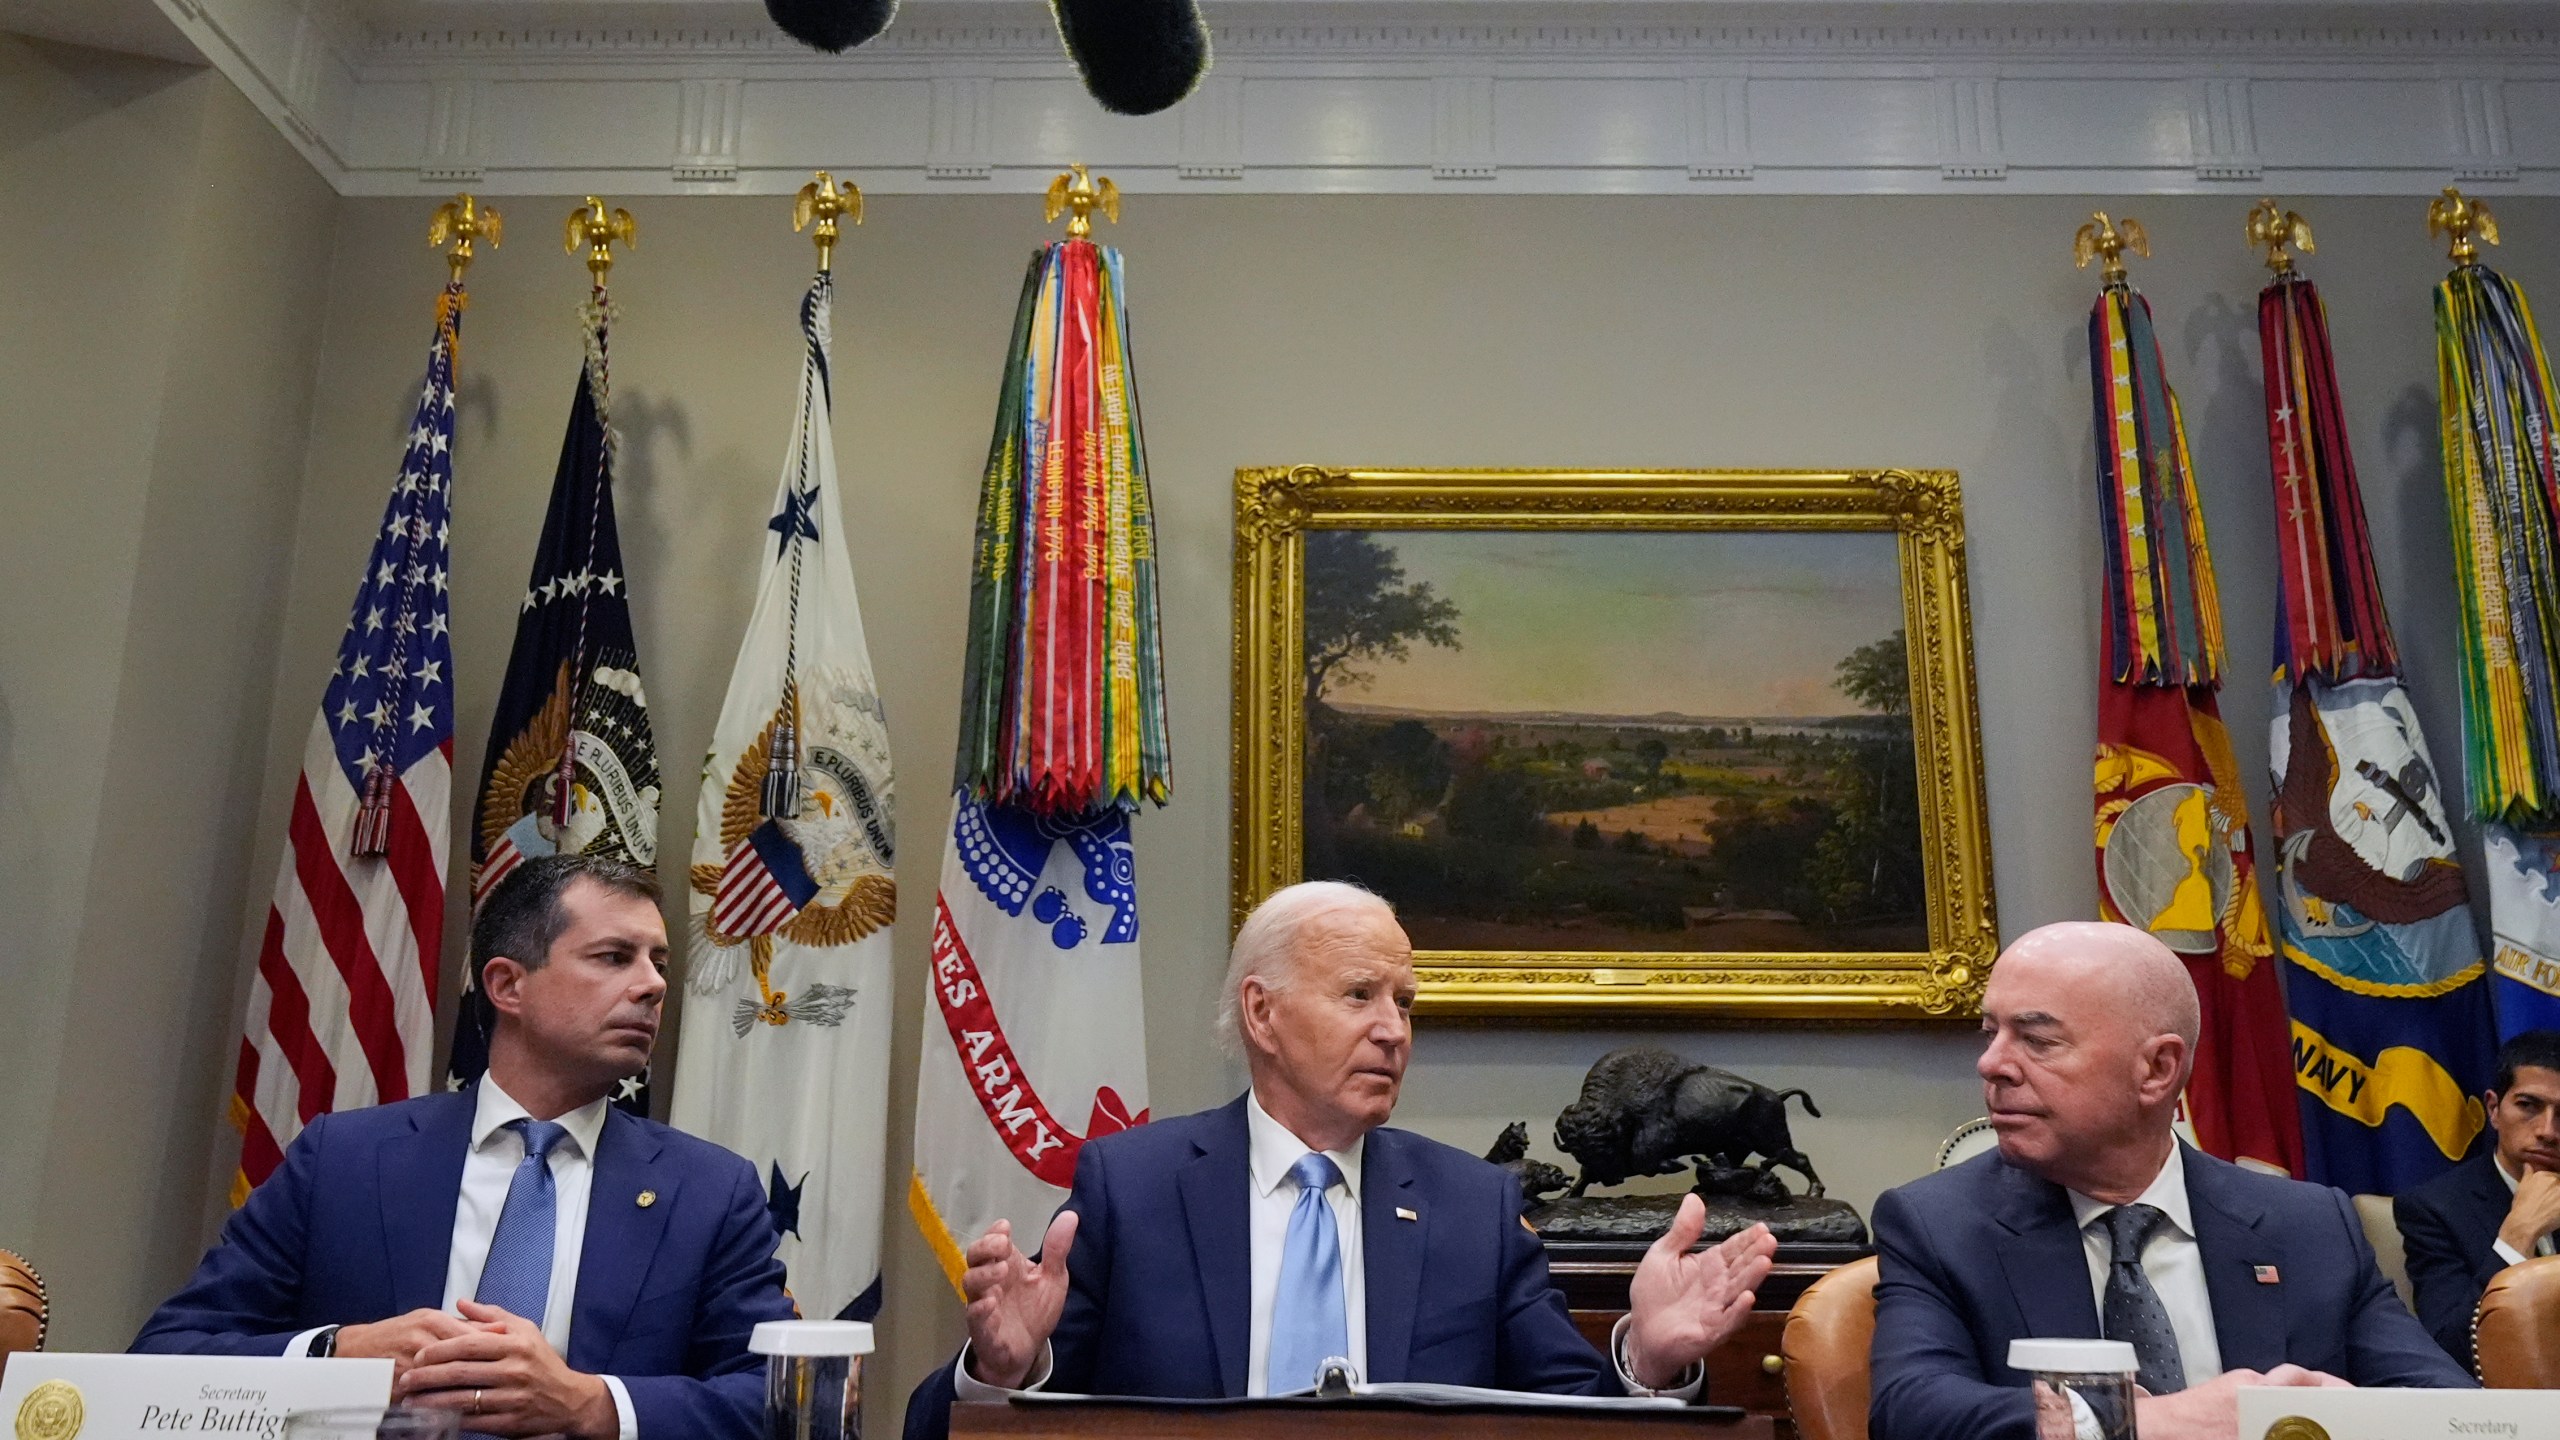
1682	741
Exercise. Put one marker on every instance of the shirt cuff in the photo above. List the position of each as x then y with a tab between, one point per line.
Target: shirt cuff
299	1347
966	1386
2507	1252
1693	1379
623	1415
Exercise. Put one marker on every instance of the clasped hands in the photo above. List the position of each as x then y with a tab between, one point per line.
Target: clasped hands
493	1367
1683	1304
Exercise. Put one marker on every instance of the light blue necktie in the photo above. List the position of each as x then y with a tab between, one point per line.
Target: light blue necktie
517	1277
1309	1322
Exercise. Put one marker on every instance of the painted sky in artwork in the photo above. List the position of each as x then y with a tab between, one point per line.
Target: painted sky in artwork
1732	624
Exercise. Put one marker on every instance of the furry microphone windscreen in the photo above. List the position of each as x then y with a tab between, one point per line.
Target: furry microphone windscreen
831	25
1137	56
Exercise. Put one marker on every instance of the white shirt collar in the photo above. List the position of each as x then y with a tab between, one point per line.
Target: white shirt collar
2498	1163
2167	1193
497	1109
1274	1149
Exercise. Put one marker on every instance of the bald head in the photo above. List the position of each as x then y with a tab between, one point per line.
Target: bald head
2138	980
2089	1034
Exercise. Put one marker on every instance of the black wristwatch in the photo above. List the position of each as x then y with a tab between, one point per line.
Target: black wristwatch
325	1344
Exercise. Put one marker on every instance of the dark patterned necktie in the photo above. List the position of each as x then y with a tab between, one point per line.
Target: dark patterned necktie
2133	1309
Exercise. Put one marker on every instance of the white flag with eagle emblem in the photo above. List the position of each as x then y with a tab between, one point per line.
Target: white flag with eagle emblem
785	1055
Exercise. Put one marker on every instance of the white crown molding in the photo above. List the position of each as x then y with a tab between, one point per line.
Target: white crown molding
1368	101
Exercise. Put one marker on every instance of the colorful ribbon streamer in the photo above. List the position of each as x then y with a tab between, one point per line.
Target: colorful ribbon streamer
1062	704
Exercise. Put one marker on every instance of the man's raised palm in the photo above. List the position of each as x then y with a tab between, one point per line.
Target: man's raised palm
1684	1305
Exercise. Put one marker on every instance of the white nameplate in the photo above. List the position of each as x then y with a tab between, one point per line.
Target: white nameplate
126	1397
2399	1414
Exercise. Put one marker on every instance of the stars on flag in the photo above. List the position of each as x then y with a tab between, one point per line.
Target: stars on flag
560	587
798	520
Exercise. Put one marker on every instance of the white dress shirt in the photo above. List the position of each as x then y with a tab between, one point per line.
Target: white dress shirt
2170	1258
487	1170
1271	1150
2508	1252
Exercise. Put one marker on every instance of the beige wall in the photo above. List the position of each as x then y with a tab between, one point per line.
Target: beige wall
157	261
1435	331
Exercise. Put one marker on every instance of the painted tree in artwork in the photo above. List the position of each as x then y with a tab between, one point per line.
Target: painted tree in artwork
1867	864
1359	610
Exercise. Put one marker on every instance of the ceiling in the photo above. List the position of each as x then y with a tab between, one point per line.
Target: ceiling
417	97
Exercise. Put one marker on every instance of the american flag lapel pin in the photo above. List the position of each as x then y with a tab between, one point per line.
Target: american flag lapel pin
2266	1274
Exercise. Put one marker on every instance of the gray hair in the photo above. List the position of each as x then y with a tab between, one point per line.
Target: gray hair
1269	942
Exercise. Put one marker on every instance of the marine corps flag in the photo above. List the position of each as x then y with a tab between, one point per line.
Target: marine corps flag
2496	407
2172	818
571	765
1034	1038
2390	1000
786	1056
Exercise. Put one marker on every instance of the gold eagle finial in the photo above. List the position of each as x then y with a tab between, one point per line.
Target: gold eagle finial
599	229
2107	240
462	220
822	201
1083	193
2466	220
2277	228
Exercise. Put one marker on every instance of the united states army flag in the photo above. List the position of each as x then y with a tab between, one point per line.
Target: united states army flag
786	1044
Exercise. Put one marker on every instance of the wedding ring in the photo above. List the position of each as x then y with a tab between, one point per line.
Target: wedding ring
475	1400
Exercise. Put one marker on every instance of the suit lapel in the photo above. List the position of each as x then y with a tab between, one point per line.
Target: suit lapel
622	1235
2248	1317
2490	1200
1214	1188
420	1177
1391	1247
2047	1269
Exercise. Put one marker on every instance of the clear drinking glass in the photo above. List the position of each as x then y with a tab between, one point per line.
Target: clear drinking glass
812	1377
2083	1388
398	1422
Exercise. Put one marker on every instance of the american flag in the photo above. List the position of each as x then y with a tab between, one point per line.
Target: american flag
341	1008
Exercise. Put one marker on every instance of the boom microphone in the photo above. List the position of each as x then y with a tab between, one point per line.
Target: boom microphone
1137	56
831	25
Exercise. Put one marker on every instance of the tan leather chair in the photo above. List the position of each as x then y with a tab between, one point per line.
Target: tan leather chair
2382	1232
2517	1330
1825	1343
22	1307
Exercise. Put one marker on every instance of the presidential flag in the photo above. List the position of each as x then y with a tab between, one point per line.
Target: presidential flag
2496	408
2392	1033
786	1056
2173	845
341	1010
1035	1039
571	766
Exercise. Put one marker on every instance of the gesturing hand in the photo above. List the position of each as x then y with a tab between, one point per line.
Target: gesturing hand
1014	1304
505	1379
1684	1305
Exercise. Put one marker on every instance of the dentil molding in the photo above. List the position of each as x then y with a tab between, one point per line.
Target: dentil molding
1512	98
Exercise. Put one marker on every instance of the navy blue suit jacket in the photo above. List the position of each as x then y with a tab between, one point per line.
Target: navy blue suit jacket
2447	1227
358	1224
1160	1283
1974	1257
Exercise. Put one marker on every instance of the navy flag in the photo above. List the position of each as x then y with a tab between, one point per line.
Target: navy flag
571	765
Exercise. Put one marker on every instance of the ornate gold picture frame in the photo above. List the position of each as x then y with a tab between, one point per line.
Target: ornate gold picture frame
1427	770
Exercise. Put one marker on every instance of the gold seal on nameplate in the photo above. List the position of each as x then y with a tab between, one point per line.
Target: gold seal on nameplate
2296	1427
51	1411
